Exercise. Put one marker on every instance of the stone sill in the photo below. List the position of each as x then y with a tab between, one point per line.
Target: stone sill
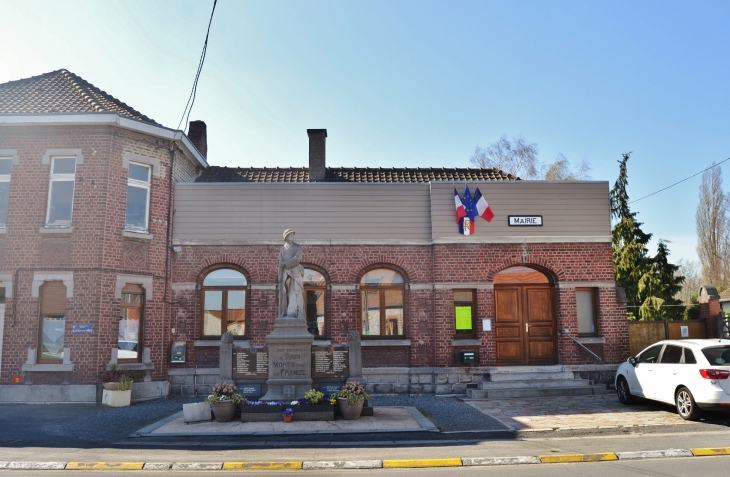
3	230
466	342
134	367
137	235
367	342
48	368
322	343
217	343
193	371
591	340
56	230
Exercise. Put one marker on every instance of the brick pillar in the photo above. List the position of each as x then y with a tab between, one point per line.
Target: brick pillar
709	301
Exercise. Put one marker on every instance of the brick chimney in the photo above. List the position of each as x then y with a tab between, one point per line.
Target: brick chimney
317	138
198	134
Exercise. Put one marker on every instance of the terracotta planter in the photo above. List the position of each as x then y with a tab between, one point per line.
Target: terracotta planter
350	411
288	418
224	410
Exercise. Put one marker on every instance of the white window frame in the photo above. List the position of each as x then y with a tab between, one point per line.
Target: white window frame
143	185
6	178
61	178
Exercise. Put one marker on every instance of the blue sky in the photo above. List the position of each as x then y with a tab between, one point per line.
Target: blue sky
415	83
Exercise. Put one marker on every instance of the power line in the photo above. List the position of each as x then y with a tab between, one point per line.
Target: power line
191	98
685	179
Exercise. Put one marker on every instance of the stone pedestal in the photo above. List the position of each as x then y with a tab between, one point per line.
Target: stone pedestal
290	360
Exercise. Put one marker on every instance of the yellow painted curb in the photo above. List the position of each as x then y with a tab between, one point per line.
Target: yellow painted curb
595	457
702	451
104	466
262	465
423	463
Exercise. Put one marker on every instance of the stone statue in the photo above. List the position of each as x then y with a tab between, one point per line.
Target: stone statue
291	278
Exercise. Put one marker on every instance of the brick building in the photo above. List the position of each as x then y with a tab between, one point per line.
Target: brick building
119	240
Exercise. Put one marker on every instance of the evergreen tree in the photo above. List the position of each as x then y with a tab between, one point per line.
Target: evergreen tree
630	260
650	282
658	288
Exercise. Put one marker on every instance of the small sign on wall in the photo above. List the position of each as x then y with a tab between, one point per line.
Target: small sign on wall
524	220
684	330
16	379
486	324
85	329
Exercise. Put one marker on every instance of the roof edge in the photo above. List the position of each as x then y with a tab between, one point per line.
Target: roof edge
106	118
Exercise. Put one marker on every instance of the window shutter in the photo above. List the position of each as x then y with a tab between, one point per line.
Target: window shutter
53	298
132	288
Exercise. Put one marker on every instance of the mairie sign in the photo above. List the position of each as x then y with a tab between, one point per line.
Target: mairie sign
524	220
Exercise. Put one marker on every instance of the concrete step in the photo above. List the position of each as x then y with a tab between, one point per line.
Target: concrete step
553	368
537	384
532	375
533	392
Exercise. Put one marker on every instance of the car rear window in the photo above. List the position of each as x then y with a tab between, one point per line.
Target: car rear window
689	357
718	355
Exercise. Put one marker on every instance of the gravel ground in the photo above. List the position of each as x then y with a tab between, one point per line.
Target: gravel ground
89	425
80	424
450	414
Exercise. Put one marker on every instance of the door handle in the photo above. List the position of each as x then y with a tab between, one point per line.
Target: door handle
527	327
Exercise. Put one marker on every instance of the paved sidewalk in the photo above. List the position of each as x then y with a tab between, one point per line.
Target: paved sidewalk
576	412
384	419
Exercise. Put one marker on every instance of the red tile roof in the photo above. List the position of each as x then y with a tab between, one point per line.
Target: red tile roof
61	92
353	174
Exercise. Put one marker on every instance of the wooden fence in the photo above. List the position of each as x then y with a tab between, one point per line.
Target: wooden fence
645	333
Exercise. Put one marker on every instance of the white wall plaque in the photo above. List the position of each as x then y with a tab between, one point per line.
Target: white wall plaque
524	220
486	324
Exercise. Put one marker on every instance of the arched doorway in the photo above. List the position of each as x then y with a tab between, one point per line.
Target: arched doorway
525	324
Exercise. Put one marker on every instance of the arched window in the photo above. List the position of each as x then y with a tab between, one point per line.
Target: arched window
315	299
381	292
224	303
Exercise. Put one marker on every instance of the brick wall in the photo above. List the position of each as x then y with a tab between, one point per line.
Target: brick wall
429	320
95	251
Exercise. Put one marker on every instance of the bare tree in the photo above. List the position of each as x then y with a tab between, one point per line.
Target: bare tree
690	270
713	239
560	170
519	158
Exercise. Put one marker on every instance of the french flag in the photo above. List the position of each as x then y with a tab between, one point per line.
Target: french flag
466	225
483	209
460	210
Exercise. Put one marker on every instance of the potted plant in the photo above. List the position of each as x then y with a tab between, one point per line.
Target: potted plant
288	414
117	392
114	380
224	398
351	398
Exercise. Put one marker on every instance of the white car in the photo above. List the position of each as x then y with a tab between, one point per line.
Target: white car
691	374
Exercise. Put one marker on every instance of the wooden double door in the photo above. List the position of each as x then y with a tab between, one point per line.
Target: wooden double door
525	325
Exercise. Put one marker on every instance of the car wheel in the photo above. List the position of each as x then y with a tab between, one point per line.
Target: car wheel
622	390
686	405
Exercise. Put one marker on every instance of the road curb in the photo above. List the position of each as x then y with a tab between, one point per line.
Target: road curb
373	464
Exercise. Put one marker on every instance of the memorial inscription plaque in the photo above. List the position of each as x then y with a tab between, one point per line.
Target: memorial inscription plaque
330	362
250	364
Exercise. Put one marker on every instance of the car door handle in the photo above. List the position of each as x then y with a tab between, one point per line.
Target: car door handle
674	372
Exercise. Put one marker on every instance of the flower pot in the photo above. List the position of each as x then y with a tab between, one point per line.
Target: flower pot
288	418
224	410
111	386
350	411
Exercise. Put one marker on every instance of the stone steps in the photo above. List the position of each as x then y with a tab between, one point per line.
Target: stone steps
532	381
535	383
532	376
534	392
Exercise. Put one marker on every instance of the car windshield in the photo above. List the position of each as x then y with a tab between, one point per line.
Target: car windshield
718	355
